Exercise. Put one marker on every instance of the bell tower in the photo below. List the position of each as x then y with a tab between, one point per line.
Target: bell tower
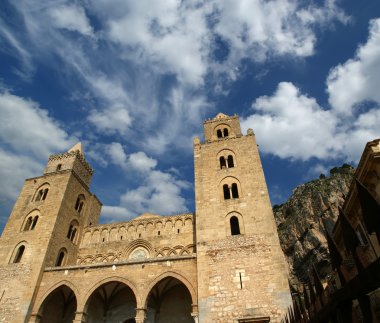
44	229
242	273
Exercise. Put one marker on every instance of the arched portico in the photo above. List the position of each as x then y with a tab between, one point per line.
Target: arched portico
170	298
113	301
59	306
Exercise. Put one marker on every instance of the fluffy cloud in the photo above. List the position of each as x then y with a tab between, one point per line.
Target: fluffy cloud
28	135
160	54
160	193
71	17
27	128
357	80
157	191
179	37
292	125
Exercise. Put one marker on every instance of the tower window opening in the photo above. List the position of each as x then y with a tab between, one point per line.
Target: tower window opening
28	224
177	230
234	190
158	233
226	192
39	195
59	167
225	132
70	231
79	204
222	161
230	161
31	223
34	223
234	224
19	254
46	190
42	194
60	259
219	133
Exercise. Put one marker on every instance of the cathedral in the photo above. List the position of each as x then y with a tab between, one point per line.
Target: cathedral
222	263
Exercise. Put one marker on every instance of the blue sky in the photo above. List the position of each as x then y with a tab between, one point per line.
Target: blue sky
134	80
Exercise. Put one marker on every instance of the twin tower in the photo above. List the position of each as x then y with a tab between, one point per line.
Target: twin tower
222	264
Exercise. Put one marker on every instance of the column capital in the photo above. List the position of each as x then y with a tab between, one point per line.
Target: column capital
140	315
35	318
80	317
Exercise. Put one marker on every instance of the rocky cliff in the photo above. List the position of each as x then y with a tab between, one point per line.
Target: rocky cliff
299	222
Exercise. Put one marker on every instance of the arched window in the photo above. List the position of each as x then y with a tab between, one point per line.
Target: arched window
72	232
34	222
19	254
234	225
230	161
61	258
222	161
28	223
226	192
79	204
225	132
42	194
31	221
59	167
234	191
219	133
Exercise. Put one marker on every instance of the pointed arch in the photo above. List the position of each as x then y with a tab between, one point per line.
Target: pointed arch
99	283
58	304
41	193
31	220
18	252
170	274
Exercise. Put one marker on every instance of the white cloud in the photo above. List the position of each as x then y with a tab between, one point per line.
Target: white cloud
143	43
29	129
289	124
170	35
71	17
357	80
14	169
177	37
140	161
28	135
157	192
292	125
160	193
116	213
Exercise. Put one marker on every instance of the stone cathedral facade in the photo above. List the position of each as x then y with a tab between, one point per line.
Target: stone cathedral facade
223	263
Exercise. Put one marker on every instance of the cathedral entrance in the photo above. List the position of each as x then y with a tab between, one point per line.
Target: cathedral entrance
169	301
59	306
112	302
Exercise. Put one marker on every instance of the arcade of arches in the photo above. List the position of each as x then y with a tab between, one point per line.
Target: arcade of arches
169	301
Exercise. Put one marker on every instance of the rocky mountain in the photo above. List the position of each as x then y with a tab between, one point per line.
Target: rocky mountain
299	221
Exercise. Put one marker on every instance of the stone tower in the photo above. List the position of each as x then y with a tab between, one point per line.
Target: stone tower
242	273
43	229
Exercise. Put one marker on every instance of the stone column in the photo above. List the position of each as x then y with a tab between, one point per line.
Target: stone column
194	312
80	317
35	318
140	315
